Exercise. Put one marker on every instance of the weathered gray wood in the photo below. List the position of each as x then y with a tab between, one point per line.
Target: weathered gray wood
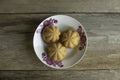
38	6
16	33
61	75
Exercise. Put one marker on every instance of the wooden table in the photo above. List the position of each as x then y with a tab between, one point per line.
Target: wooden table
20	18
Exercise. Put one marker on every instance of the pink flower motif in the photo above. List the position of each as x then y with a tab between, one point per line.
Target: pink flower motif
55	21
49	22
50	61
82	38
45	24
59	63
79	30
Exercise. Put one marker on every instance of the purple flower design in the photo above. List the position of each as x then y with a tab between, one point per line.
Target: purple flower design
82	38
55	21
45	24
49	61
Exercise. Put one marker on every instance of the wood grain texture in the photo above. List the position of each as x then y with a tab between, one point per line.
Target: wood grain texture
16	34
47	6
61	75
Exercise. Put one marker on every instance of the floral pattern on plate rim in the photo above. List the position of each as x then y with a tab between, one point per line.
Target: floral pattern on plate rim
49	61
82	38
44	55
45	24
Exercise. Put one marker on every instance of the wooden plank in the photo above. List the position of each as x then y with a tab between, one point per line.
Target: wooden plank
16	33
61	75
47	6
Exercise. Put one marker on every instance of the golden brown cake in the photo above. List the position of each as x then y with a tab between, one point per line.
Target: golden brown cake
56	51
70	38
50	33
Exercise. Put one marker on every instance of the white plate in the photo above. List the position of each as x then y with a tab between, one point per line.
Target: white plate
73	55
